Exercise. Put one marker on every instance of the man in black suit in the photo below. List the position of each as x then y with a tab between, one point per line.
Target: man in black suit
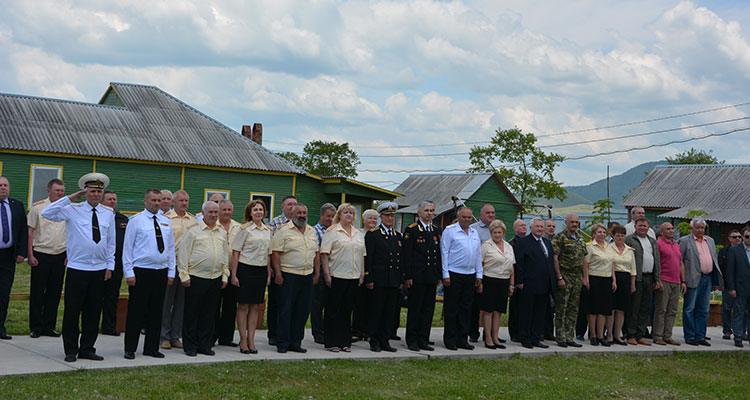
519	228
422	271
14	236
738	283
383	277
534	278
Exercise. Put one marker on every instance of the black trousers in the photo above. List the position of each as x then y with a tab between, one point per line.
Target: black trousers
549	318
319	300
420	313
201	299
7	273
383	304
361	309
145	308
83	301
474	316
226	315
272	309
295	296
109	303
514	327
532	309
46	287
458	299
582	322
337	318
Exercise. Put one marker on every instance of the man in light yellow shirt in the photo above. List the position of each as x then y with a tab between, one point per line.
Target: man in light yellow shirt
203	265
47	243
174	297
296	262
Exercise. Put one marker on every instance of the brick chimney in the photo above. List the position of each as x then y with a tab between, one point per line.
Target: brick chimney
257	134
247	131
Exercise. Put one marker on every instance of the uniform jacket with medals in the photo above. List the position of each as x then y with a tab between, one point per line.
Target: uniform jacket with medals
421	254
121	222
383	261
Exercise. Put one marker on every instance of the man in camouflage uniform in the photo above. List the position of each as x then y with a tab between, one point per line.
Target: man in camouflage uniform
571	272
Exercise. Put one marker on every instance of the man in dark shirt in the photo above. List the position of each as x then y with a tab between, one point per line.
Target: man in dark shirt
727	302
519	228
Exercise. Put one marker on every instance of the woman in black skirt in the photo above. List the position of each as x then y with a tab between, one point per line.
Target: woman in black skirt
623	258
601	285
251	271
497	282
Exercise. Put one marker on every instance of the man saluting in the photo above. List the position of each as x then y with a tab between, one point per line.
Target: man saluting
90	231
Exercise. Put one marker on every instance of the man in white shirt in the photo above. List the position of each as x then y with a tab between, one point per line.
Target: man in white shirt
461	253
90	231
148	259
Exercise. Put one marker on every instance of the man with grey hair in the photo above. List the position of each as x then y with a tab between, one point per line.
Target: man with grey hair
226	310
166	201
173	308
701	273
422	271
635	213
327	212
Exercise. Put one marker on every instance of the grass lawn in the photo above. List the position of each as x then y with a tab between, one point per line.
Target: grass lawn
682	376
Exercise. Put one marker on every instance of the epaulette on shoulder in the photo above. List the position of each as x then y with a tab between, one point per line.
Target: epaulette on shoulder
106	208
412	225
37	203
246	224
377	228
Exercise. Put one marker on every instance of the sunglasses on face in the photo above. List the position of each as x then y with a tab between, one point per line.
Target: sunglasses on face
735	237
747	236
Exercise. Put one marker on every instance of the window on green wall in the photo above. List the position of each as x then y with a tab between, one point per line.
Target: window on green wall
40	176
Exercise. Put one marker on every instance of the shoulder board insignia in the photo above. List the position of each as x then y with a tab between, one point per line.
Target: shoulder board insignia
374	229
406	235
38	202
412	225
78	204
397	232
246	224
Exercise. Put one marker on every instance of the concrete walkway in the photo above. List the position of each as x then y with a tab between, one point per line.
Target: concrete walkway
24	355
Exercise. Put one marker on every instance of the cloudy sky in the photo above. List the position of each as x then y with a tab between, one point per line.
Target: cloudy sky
381	74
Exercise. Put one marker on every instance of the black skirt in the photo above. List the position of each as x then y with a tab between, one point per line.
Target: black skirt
621	297
252	288
494	294
600	295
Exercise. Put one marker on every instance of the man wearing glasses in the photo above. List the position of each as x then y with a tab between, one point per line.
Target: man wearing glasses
727	302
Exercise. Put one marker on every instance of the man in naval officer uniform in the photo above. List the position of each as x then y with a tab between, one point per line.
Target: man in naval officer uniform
90	231
383	276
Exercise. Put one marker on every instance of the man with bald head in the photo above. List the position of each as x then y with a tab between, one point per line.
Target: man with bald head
673	281
519	231
635	213
571	272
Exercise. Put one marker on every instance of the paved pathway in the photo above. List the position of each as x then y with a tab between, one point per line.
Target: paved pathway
24	355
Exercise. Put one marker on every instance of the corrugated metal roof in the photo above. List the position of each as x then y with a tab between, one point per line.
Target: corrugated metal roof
733	216
439	188
153	126
695	186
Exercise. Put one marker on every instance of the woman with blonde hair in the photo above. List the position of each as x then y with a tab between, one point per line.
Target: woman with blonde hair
602	283
342	261
497	282
251	272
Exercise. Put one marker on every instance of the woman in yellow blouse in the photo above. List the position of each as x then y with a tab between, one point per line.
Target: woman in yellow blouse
623	259
497	282
251	272
601	285
342	261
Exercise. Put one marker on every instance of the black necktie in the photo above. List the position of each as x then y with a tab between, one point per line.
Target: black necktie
159	239
95	226
6	225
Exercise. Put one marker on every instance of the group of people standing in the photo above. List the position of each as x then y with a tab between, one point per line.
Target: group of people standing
193	278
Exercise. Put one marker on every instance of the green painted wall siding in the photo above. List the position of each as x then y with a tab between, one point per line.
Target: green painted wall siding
310	192
130	181
239	184
111	99
491	191
352	189
17	168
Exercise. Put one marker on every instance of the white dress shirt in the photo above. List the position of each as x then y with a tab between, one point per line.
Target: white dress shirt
139	248
461	252
83	253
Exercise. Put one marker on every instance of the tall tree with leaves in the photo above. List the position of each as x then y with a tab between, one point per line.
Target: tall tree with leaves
694	156
525	169
326	159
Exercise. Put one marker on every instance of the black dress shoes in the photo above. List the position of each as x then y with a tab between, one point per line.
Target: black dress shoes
207	352
297	349
375	348
280	350
70	358
574	344
490	346
111	333
90	356
35	334
395	337
427	347
465	346
388	348
704	343
191	353
527	345
155	354
129	355
5	336
541	345
54	333
451	347
413	347
430	342
253	351
562	344
692	342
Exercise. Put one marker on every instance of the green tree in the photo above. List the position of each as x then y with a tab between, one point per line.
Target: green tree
694	156
525	169
684	226
326	159
601	214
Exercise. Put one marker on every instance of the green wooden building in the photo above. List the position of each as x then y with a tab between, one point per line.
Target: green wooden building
449	190
142	137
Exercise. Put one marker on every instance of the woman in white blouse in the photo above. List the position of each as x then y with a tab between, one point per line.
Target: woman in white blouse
497	282
342	259
251	272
